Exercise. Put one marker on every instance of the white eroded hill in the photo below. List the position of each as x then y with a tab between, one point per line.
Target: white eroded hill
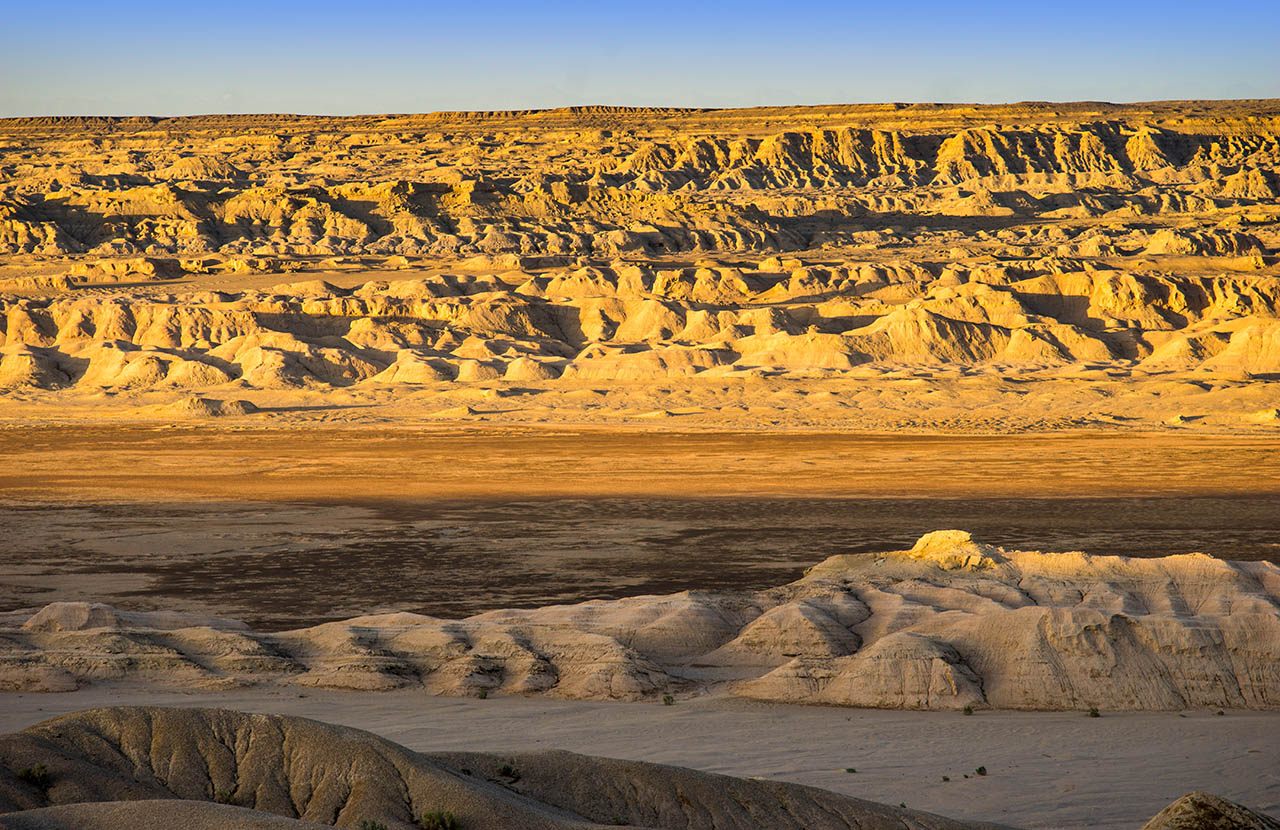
948	624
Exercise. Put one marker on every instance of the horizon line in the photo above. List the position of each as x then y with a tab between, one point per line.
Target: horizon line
638	109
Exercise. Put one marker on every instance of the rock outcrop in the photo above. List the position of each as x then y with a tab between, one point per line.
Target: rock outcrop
606	182
271	766
551	250
156	768
949	624
636	323
1204	811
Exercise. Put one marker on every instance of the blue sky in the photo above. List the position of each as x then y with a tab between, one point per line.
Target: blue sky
131	57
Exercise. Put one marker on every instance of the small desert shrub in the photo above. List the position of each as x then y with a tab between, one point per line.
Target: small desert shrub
668	700
484	694
981	770
437	820
372	825
850	769
1094	713
1219	712
509	771
224	797
946	778
38	776
968	710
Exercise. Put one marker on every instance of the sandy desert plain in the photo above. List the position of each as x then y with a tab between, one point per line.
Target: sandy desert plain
812	467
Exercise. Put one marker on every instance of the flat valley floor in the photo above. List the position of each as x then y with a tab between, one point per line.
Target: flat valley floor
300	526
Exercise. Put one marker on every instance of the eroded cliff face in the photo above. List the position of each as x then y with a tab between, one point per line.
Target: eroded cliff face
607	183
1103	347
549	251
951	623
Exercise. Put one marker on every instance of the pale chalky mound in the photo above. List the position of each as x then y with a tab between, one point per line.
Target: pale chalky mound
948	624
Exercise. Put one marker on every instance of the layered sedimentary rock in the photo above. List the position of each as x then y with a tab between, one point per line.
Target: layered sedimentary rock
949	624
605	181
551	250
634	323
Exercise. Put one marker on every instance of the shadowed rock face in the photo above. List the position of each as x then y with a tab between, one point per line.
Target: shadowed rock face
303	769
947	624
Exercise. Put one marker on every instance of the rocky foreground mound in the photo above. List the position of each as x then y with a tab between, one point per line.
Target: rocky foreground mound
158	768
331	775
951	623
1203	811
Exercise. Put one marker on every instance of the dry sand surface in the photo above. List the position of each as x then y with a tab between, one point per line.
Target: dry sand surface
456	520
274	563
315	464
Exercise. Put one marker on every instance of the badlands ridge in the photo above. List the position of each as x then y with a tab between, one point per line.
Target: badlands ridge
949	624
1052	266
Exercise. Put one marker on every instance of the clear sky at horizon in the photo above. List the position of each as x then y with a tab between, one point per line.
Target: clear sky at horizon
167	58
